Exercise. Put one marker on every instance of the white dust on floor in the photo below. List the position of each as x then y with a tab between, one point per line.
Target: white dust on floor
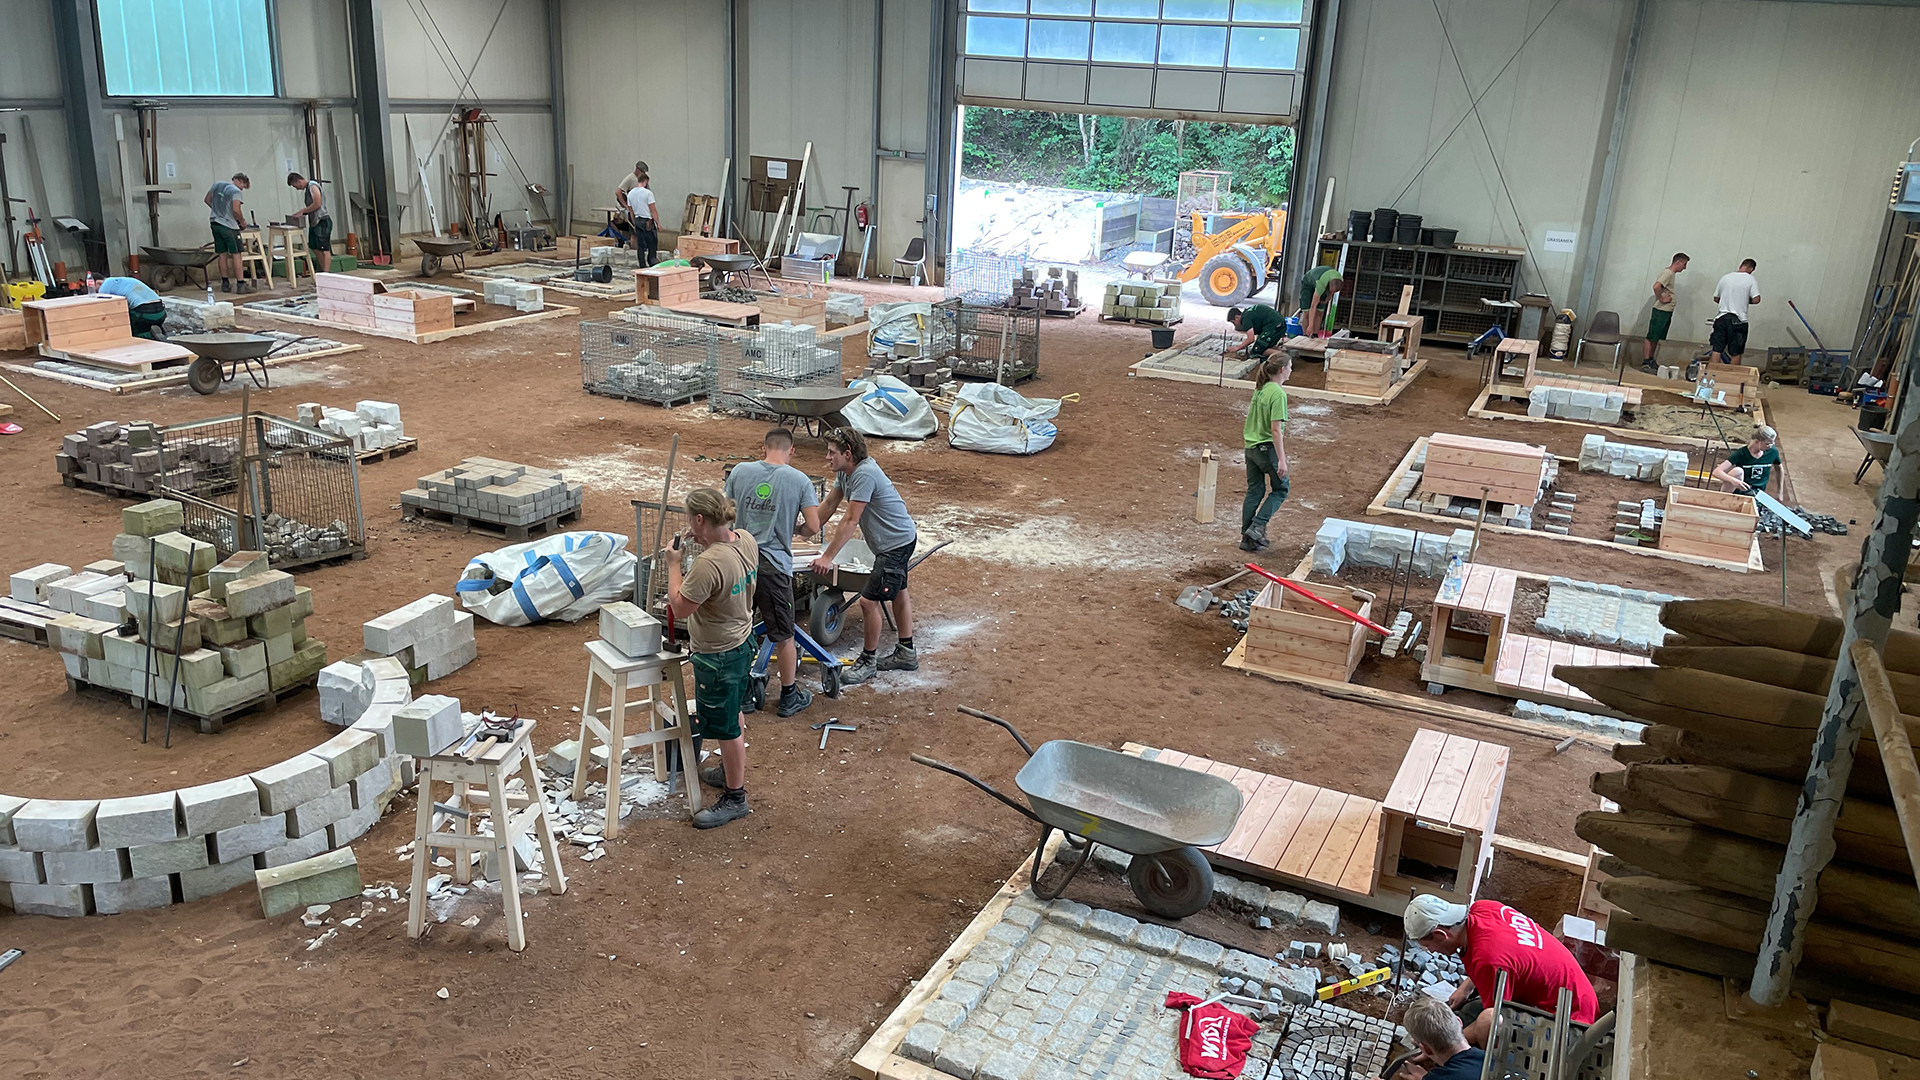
1046	541
639	471
931	638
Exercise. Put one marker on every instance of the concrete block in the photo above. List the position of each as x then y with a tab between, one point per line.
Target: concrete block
379	720
274	622
383	412
318	813
56	825
137	894
462	654
214	879
159	860
322	879
166	603
1321	918
31	584
183	554
246	841
223	804
299	779
17	865
247	656
404	626
370	787
304	847
108	607
304	664
353	825
153	518
427	726
630	630
138	819
61	901
254	595
86	867
349	753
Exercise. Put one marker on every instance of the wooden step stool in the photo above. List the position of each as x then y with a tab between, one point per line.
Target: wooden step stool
255	254
481	783
290	241
622	674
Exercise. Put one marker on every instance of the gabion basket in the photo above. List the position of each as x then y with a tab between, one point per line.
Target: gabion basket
981	277
999	344
779	357
298	499
660	360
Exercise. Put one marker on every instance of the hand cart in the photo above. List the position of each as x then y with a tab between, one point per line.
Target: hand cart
234	350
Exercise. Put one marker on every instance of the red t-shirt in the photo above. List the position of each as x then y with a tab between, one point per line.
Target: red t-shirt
1537	965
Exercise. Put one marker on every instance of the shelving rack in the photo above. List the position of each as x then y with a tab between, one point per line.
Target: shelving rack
1449	284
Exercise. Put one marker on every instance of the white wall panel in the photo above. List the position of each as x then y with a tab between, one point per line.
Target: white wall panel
29	63
808	80
314	58
518	150
424	38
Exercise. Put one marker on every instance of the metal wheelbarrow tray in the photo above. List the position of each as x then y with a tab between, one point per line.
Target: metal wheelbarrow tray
232	349
435	248
814	407
1162	815
170	265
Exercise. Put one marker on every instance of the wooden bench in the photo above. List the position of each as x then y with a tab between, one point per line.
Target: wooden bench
1495	660
1440	814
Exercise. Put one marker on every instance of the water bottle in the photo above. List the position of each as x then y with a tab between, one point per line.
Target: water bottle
209	294
92	285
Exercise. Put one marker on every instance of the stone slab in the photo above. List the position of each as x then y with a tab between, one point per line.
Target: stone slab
214	879
137	894
298	779
244	841
323	879
222	804
56	825
138	819
159	860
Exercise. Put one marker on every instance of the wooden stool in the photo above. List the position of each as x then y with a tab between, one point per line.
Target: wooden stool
256	254
513	816
291	241
622	673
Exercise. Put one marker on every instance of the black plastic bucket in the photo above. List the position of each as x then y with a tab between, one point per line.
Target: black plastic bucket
1162	337
1384	220
1444	238
1358	224
1407	234
1873	418
1426	237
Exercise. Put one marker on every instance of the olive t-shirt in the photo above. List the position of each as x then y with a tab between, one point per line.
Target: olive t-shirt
1664	279
1269	404
721	582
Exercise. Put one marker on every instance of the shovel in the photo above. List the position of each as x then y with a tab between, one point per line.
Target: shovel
1198	598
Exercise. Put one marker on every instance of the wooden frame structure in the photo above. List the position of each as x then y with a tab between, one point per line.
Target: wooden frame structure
1494	469
1708	523
1379	506
1145	369
1441	812
666	286
1288	632
172	376
648	675
94	331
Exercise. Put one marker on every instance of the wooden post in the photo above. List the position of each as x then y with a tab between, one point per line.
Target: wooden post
1870	612
1209	484
1896	751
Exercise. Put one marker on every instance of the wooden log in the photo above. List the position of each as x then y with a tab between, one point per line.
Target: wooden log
1678	745
1735	922
1629	933
1755	806
1871	1027
1744	622
1679	850
1883	712
1777	667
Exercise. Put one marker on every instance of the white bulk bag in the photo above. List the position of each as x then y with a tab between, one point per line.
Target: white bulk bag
889	408
565	577
994	419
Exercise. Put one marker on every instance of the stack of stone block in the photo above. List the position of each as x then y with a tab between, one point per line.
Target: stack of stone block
1406	495
372	425
1603	614
918	374
350	688
220	636
500	492
96	591
1668	468
1340	543
1600	405
79	857
133	457
185	315
1058	293
520	296
431	637
1154	302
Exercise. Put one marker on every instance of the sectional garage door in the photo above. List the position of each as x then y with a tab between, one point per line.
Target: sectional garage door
1234	60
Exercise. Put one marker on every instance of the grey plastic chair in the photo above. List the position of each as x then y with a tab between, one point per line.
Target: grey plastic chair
915	257
1604	329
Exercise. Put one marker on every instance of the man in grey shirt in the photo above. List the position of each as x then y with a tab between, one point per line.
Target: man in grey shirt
874	503
225	208
771	495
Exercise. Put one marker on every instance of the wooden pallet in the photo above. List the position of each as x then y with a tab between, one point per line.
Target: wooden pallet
497	530
404	446
1175	321
672	404
719	312
25	621
211	724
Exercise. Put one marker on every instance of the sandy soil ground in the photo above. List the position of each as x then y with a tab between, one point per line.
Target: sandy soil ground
771	947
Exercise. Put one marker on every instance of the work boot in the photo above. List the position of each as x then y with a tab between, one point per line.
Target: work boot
714	776
902	658
226	285
794	699
731	805
1253	539
858	672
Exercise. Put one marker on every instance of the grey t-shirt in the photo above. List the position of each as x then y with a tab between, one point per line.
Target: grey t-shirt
886	525
223	194
770	498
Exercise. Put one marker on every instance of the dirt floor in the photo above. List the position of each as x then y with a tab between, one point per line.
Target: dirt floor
857	867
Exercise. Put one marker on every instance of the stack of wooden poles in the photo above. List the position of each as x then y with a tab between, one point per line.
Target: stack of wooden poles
1707	802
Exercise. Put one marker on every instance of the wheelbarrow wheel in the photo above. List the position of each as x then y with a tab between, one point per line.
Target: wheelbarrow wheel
204	375
830	680
429	264
756	694
1172	884
828	617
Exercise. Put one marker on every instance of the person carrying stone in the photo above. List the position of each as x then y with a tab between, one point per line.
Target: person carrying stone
771	496
716	599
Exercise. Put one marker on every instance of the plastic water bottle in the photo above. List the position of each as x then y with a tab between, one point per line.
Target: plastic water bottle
92	285
209	294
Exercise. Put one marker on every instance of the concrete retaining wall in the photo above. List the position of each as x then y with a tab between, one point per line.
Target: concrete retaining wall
1341	543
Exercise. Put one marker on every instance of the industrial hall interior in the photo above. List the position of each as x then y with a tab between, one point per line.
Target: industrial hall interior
960	539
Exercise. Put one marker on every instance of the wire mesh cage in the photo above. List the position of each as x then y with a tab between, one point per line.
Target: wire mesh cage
266	483
982	277
753	365
994	343
658	359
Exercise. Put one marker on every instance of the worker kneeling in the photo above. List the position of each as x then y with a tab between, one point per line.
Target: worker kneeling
1442	1049
1492	937
146	315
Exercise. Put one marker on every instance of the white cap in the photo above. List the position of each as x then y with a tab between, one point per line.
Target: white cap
1426	913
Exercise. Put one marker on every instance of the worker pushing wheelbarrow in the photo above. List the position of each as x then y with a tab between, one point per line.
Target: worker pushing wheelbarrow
1162	815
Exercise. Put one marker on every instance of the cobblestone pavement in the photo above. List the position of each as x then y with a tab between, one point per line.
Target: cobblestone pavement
1060	990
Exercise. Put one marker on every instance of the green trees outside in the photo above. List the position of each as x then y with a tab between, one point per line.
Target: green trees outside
1113	153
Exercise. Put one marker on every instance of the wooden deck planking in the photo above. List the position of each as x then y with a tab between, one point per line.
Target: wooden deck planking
1533	671
1583	655
1255	814
1198	763
1512	658
1480	794
1312	833
1273	843
1361	873
1410	783
1337	849
1224	771
1473	594
1558	653
1170	757
1449	776
1500	595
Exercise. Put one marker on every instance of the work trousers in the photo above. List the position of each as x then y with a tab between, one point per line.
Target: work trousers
1266	489
646	243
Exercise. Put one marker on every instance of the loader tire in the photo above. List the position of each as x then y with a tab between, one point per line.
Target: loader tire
1225	280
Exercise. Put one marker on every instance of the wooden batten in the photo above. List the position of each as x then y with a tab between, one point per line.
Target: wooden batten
1469	467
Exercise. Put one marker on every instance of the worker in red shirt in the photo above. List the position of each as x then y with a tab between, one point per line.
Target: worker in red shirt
1490	938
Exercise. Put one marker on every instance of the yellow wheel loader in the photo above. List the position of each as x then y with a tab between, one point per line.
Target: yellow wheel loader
1235	255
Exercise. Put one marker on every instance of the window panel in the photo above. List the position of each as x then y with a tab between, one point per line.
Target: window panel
1283	11
1197	10
1057	39
1193	46
1018	7
1268	48
1128	9
1063	7
186	48
1123	43
996	37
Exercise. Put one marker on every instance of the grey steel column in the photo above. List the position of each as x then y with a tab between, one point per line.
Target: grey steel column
371	110
90	145
1596	232
557	88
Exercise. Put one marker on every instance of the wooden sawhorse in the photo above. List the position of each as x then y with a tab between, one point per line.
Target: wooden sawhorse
621	673
513	816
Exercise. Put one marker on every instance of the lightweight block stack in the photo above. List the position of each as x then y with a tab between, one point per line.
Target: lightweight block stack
136	457
366	303
518	295
496	492
1668	468
1153	302
372	425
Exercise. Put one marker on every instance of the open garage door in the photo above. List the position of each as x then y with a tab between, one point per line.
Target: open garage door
1240	61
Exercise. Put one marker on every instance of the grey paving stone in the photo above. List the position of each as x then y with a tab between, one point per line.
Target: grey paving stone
1158	940
1284	907
1008	933
1324	918
1022	915
921	1042
1251	896
1297	985
1068	913
960	1056
1112	925
962	993
997	953
1198	950
1008	1064
1248	966
947	1014
981	974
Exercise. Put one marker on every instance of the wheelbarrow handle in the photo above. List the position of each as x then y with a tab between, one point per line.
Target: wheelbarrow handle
927	554
976	782
1316	598
977	714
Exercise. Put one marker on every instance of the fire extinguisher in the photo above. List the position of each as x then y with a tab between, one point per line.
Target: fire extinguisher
1562	335
860	216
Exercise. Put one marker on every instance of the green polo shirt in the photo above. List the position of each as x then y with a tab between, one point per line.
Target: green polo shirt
1269	404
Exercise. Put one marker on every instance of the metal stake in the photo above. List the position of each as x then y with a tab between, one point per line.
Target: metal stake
146	685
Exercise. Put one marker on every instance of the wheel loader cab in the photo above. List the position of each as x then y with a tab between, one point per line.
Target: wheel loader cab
1235	255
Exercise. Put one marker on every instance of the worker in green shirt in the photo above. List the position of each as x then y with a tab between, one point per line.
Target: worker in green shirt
1267	480
1320	285
1750	468
1264	327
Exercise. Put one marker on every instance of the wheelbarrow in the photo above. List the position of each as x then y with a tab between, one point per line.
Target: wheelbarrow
721	268
435	248
172	266
823	600
1162	815
814	408
235	351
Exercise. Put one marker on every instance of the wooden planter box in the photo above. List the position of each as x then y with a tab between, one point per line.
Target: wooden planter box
1289	633
1710	524
1461	465
792	309
667	286
413	311
76	323
1369	374
691	246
